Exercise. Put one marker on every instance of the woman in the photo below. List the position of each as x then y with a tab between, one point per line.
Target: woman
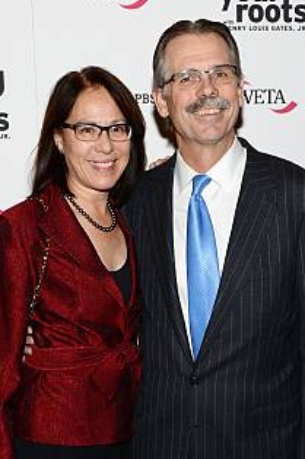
67	267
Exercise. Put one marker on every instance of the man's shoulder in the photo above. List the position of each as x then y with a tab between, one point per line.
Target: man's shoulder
152	183
278	165
151	180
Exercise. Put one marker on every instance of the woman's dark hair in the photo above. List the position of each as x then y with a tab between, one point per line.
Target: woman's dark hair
186	27
50	166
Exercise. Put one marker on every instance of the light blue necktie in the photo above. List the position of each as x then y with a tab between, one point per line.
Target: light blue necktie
202	263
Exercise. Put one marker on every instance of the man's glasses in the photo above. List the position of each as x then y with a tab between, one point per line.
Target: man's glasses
90	132
191	78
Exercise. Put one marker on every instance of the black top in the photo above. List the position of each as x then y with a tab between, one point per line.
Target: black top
123	278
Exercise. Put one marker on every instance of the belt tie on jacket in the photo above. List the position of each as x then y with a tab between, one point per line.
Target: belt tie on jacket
108	367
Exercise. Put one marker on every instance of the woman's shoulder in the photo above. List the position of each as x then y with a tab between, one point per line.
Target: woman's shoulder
17	224
31	205
24	216
18	211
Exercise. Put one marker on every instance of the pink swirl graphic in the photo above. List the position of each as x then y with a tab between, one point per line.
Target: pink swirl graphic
289	107
135	5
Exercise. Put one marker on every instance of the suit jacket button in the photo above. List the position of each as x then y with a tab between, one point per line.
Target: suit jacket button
194	380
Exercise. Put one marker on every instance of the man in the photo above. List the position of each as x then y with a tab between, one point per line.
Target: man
238	395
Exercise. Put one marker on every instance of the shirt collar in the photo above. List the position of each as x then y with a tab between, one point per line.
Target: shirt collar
223	173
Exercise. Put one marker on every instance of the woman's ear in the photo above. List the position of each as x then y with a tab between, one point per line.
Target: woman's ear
57	136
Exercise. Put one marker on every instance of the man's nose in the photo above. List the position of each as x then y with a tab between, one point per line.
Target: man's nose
206	86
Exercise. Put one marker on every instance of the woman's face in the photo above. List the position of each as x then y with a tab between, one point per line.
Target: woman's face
93	165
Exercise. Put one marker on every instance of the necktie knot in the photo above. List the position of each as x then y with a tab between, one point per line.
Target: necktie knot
199	183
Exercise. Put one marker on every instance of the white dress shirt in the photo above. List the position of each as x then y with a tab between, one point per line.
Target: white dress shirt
220	195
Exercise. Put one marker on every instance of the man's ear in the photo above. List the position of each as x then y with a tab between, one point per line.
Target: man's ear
240	90
160	102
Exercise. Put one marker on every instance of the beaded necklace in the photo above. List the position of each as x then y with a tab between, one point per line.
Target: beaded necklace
104	229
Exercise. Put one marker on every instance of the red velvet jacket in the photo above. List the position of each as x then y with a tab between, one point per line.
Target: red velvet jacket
79	386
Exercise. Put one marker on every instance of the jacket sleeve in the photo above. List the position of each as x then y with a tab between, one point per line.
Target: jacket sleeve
14	298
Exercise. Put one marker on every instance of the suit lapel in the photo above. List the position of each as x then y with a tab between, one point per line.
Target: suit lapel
160	224
255	210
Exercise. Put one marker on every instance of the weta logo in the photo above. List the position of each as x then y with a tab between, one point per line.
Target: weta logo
273	98
1	82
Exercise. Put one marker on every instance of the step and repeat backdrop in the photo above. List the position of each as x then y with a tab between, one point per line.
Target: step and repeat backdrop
43	39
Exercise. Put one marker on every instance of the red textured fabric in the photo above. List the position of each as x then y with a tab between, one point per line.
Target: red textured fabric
80	384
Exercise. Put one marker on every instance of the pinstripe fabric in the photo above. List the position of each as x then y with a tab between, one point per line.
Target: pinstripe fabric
243	399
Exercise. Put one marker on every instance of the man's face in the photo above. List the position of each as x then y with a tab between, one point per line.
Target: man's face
200	125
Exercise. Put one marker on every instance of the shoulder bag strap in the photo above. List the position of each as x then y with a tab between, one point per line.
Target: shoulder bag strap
44	260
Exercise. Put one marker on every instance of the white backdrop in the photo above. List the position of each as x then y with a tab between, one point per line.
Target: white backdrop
43	39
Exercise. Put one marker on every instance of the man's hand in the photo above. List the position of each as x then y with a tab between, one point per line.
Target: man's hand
158	162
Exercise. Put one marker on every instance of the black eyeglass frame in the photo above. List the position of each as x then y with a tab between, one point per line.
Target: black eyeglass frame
74	127
206	72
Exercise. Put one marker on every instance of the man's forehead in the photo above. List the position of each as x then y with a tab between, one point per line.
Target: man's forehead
188	48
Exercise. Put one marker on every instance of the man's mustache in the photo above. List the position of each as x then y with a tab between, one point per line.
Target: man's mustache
207	102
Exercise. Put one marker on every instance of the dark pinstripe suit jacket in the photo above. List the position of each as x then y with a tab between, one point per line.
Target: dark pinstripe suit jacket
242	398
